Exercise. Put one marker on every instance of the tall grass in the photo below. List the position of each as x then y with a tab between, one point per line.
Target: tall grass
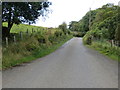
106	49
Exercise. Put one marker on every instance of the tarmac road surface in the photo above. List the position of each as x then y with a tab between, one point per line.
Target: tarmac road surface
71	66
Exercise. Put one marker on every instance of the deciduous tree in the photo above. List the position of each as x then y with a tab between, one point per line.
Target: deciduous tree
22	12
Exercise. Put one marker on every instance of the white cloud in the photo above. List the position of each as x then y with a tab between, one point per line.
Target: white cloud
70	10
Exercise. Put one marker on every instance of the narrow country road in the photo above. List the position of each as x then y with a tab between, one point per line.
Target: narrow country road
71	66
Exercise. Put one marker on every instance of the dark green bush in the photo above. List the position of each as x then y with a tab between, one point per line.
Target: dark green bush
51	38
87	39
79	34
69	32
58	33
42	40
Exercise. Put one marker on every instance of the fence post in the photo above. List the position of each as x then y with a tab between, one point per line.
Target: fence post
27	31
21	35
6	41
14	39
37	29
32	30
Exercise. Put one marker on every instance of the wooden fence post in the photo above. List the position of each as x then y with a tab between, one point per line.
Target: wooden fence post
6	41
37	29
21	35
27	31
14	39
32	30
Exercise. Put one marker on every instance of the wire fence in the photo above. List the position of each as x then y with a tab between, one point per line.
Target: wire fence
16	37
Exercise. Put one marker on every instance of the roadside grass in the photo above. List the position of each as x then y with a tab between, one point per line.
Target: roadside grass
106	49
32	45
31	48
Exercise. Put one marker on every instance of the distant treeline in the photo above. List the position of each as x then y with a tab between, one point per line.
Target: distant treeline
99	24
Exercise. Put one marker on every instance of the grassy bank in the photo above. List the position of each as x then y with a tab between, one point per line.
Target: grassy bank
30	45
94	40
31	49
106	49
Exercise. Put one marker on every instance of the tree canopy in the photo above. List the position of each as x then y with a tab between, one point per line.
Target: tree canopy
23	12
63	27
101	23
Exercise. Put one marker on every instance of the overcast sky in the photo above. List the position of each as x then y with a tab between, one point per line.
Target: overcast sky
70	10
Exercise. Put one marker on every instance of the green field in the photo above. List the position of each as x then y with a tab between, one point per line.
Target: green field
24	27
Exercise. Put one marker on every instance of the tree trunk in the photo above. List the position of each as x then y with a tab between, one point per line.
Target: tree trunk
6	30
10	23
9	27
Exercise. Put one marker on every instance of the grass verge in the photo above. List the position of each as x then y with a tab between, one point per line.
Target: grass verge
106	49
36	54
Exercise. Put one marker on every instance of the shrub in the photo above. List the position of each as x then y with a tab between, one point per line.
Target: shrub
79	34
58	33
87	39
69	32
51	38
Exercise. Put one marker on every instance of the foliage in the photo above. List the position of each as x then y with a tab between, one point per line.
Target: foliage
104	31
78	34
63	27
22	12
74	26
33	46
106	49
58	33
117	34
104	23
83	25
87	39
